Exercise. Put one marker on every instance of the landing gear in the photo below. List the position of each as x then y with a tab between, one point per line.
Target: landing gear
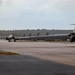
11	40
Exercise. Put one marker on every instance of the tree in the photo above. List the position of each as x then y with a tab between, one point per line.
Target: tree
30	34
38	33
24	35
47	33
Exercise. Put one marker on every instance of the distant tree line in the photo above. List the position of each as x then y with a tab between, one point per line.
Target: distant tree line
23	33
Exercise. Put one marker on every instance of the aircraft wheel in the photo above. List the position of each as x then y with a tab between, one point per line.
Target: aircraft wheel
11	40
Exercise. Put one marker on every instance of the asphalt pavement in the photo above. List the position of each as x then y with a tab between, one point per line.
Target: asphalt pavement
27	65
37	58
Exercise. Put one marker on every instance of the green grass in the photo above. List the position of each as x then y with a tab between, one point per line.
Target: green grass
41	41
8	53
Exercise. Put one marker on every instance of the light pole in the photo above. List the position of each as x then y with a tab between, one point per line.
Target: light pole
74	28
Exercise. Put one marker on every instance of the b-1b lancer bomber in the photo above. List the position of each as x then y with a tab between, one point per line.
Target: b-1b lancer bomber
70	37
12	38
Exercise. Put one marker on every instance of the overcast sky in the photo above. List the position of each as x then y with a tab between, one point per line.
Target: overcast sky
37	14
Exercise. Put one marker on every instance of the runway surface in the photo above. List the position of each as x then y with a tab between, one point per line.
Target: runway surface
38	58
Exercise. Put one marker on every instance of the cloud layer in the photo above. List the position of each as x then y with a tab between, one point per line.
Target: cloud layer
41	3
36	13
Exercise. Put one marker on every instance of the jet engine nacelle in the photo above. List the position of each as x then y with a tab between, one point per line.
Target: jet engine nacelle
72	37
11	38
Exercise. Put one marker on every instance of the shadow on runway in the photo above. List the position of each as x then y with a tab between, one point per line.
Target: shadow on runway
28	65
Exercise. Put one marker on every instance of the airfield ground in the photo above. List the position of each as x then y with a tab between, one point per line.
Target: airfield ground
37	58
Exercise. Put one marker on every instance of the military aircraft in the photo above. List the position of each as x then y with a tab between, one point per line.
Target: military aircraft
12	38
72	35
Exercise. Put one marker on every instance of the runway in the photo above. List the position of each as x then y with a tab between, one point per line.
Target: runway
38	58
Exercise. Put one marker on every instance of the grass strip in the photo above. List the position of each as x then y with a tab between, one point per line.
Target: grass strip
8	53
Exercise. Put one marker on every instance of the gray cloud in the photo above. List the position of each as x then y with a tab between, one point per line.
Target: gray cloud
0	2
5	2
65	4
